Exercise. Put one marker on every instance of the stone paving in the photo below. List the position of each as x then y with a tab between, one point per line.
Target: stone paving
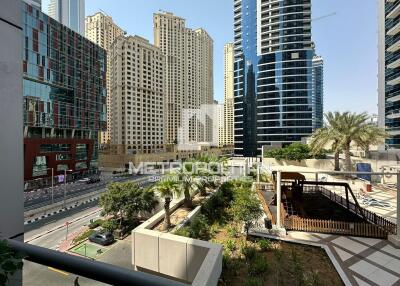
365	261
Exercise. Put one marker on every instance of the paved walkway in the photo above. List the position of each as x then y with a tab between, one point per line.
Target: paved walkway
365	261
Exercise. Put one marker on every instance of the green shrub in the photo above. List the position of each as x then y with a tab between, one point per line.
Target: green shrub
295	151
83	236
232	231
225	260
214	229
313	279
214	206
258	266
248	251
199	228
264	245
230	245
183	231
96	223
110	225
298	269
230	264
245	207
254	281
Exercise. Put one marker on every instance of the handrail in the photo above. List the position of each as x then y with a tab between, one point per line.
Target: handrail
341	172
354	207
99	271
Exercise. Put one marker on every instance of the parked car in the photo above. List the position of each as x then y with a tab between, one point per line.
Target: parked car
102	238
93	180
84	180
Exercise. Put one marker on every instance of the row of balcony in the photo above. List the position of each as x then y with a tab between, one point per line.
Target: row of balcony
393	49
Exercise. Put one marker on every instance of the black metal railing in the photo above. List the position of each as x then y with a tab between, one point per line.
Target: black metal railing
354	207
95	270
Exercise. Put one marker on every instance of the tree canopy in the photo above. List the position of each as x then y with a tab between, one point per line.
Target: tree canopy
343	129
127	200
295	151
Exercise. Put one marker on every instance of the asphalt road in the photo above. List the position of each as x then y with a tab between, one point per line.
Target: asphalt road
35	274
43	197
50	231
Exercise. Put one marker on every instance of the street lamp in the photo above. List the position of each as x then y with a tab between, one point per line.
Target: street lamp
52	184
65	186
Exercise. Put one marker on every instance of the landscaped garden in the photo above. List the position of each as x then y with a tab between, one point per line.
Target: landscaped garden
225	219
194	181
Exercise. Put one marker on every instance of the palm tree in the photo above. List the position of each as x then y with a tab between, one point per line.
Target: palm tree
342	129
188	186
372	135
167	189
206	180
352	127
329	134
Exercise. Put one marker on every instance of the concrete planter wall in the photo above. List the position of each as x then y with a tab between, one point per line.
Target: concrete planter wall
183	259
193	214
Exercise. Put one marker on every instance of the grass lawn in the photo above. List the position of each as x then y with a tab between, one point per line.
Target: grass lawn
92	250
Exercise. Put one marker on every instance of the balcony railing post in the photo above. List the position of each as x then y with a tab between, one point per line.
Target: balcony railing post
278	199
398	206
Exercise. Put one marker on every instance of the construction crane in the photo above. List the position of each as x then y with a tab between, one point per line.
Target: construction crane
323	17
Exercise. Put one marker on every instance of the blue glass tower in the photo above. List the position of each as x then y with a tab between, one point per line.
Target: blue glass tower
273	74
392	72
318	91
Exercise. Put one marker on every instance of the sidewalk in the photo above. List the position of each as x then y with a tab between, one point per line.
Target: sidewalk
68	243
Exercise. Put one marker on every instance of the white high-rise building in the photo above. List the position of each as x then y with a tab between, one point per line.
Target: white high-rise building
318	90
137	96
70	13
228	133
189	73
102	30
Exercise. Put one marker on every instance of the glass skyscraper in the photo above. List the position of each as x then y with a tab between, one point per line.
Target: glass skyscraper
273	85
318	91
390	60
70	13
64	88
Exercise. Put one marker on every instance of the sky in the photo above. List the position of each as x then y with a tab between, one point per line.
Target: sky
347	41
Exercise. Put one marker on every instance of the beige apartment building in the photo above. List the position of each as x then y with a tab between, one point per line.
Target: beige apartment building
228	132
102	30
137	96
189	73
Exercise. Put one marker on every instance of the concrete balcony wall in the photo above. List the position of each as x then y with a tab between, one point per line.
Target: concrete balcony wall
192	261
11	125
184	259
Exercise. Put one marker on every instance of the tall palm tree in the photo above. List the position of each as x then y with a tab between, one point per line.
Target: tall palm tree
352	127
167	189
342	129
328	135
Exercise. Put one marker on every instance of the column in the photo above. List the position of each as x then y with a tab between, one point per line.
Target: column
278	199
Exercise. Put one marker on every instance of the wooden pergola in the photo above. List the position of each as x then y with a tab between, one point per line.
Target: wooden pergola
279	176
